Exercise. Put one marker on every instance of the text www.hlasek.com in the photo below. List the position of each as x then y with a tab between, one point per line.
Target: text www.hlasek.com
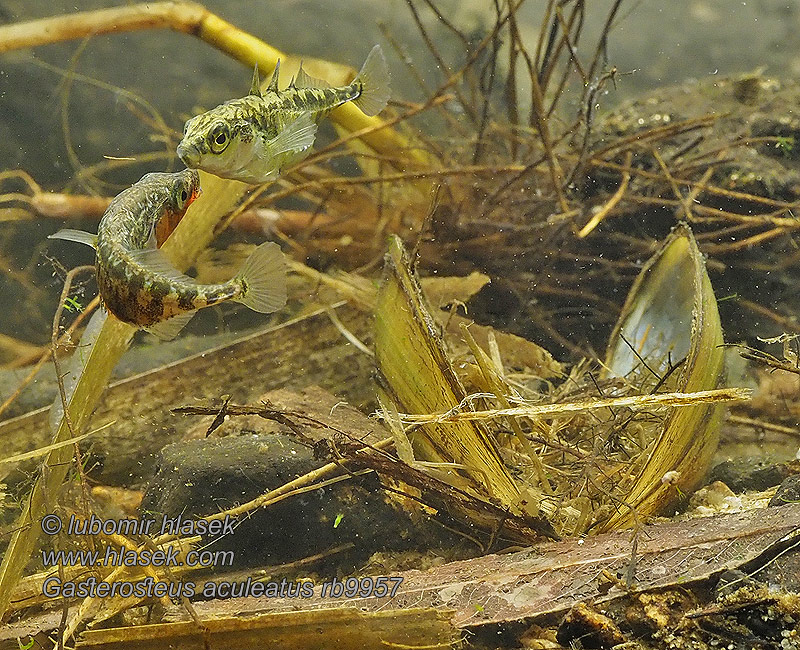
127	557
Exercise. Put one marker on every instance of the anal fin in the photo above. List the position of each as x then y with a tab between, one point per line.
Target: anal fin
168	329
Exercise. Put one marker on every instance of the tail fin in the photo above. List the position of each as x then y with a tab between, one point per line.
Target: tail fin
264	279
374	79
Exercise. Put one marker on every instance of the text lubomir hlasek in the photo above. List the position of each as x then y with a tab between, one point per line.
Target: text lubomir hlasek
179	525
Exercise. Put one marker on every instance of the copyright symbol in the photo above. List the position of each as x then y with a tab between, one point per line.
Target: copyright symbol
51	524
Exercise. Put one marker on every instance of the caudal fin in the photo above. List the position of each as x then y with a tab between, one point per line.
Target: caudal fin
374	79
264	279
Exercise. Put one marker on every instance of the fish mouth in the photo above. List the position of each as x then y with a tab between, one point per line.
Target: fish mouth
189	154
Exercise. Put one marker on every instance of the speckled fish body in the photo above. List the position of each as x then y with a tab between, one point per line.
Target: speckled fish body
136	281
130	288
253	138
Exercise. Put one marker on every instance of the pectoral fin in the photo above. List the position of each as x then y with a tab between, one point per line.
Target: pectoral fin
80	236
156	260
296	137
289	146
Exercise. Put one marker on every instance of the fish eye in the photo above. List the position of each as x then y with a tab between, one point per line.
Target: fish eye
218	138
182	197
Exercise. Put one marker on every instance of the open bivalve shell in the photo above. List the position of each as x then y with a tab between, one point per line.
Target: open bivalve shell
670	317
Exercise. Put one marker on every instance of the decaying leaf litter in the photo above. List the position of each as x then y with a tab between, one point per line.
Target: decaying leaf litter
521	469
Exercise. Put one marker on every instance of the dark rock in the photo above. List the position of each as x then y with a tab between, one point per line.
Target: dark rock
745	474
731	581
788	492
203	477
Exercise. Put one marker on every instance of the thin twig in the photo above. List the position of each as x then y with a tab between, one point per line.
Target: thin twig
766	426
597	219
468	109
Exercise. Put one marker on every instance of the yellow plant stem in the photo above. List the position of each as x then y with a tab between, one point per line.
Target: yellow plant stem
191	236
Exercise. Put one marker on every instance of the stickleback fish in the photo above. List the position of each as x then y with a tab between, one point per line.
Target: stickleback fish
253	138
137	282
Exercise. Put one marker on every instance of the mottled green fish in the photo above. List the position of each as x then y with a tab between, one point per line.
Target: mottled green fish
253	138
137	282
